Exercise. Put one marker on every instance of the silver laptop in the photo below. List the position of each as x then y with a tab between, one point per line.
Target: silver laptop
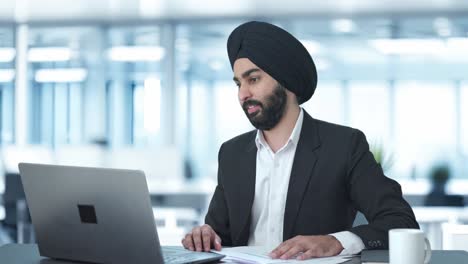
97	215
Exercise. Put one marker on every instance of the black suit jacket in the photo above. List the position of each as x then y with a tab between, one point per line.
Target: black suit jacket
334	175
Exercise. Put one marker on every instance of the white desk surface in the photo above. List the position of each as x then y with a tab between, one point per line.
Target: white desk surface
432	214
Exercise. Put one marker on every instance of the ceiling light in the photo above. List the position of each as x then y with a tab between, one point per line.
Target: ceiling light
49	54
136	53
343	25
7	75
61	75
408	46
7	54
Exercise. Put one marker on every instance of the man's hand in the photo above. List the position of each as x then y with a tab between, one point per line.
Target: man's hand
202	238
305	247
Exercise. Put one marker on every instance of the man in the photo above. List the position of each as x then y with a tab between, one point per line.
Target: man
296	183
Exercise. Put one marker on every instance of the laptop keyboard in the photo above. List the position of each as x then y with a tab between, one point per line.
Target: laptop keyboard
178	255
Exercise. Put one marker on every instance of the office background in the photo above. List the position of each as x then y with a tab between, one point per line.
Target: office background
96	82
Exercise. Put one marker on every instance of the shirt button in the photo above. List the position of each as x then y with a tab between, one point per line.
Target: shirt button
272	230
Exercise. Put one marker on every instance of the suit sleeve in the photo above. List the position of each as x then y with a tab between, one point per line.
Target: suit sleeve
217	216
378	197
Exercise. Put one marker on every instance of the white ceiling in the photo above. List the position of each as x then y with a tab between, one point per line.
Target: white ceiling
111	10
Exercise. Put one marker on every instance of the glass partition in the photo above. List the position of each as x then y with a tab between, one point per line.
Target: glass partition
170	84
7	80
62	65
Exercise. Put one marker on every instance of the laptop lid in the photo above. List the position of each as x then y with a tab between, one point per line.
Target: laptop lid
91	214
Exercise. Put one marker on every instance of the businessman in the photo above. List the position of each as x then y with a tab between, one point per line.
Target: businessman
295	183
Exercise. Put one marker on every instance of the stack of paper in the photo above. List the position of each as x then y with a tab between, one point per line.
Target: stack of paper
259	255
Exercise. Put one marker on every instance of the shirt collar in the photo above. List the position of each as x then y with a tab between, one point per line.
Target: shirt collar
293	138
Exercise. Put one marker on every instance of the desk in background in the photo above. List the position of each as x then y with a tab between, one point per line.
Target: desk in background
431	219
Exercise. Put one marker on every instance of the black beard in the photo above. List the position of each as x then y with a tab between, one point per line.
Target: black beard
269	114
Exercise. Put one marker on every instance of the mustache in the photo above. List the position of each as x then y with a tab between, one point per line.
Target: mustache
251	102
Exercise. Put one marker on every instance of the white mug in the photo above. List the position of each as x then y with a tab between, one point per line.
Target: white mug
408	246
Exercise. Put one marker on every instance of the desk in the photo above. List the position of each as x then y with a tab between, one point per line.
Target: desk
28	254
431	219
187	194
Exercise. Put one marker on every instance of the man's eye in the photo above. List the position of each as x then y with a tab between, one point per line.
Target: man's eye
253	79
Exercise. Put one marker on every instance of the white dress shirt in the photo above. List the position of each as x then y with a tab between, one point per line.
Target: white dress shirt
271	186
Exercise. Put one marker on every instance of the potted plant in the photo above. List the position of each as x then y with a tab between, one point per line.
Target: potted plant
384	159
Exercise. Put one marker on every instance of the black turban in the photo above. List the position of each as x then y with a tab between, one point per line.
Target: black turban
276	52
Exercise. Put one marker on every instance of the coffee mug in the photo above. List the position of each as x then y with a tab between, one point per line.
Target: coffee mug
409	246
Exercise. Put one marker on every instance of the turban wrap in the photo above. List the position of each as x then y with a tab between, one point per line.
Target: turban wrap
277	53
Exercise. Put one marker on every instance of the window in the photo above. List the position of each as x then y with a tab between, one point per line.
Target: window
464	119
202	148
230	119
62	63
327	103
207	111
135	57
425	125
6	112
369	110
146	111
7	79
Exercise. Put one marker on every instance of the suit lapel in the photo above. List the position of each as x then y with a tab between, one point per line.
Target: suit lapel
246	191
304	161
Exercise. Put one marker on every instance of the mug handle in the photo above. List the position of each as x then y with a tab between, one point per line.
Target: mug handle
427	252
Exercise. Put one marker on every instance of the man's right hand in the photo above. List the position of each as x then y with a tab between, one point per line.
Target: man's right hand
202	238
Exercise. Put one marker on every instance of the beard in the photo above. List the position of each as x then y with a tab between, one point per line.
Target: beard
271	111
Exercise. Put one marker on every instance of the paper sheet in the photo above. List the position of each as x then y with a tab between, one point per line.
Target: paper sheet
259	255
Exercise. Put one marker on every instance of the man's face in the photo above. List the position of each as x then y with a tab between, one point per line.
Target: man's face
262	98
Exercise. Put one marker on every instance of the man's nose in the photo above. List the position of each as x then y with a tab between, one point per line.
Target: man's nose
244	93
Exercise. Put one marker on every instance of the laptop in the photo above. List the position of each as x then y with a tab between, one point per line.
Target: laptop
97	215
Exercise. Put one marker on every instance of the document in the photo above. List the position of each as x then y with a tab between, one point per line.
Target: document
259	255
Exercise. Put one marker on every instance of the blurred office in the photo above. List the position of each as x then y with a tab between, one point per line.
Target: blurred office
147	85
